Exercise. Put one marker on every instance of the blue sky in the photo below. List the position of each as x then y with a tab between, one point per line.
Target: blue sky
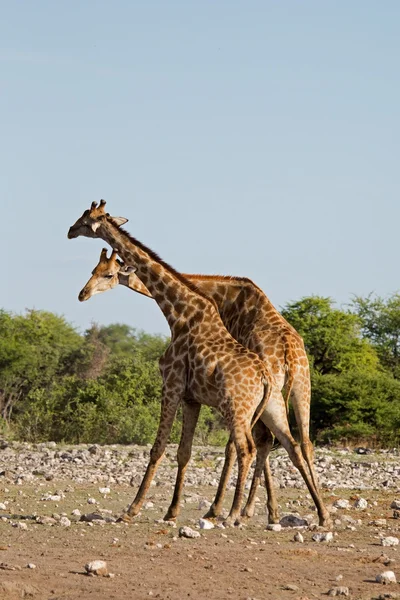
245	138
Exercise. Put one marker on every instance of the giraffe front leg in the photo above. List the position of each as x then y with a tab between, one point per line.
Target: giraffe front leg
190	416
216	506
169	404
245	449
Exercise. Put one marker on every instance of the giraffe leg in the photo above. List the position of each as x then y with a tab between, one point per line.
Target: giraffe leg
216	506
245	449
275	418
169	404
264	441
272	504
301	399
191	411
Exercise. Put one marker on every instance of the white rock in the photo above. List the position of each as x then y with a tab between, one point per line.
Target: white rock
323	537
298	537
3	506
51	497
386	577
395	504
187	532
378	522
274	527
104	490
76	512
389	541
148	505
65	522
360	503
91	501
341	503
204	504
31	566
97	567
206	524
340	590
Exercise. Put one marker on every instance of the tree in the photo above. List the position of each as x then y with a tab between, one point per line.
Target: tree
34	349
380	321
332	337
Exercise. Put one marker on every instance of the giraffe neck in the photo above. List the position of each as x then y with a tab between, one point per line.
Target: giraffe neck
177	298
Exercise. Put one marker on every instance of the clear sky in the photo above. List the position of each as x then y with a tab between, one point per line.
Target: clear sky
252	138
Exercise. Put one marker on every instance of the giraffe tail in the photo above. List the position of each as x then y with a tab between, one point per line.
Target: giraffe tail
288	390
266	396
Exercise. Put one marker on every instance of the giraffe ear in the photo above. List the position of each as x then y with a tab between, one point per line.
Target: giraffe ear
94	226
119	221
127	269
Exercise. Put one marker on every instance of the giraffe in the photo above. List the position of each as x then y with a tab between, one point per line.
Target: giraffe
252	319
203	364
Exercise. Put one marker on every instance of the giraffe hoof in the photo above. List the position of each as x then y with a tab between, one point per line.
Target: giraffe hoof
247	514
228	522
169	517
125	518
326	522
212	513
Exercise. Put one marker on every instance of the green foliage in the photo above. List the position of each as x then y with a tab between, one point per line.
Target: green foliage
380	321
34	350
332	337
356	405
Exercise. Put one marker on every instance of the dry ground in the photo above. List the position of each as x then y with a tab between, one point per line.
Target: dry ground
148	563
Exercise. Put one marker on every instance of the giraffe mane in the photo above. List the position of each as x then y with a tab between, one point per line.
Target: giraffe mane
244	280
164	264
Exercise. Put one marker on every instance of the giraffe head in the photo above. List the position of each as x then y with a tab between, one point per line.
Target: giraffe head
108	273
90	221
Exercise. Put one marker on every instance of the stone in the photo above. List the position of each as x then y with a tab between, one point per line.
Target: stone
23	526
76	512
104	490
204	504
45	520
389	541
96	567
386	577
378	522
206	524
90	517
323	537
274	527
31	566
293	521
360	503
395	504
3	506
91	501
341	503
51	498
65	522
340	590
187	532
290	587
298	537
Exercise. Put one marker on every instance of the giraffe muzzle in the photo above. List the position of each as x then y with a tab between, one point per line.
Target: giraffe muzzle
83	295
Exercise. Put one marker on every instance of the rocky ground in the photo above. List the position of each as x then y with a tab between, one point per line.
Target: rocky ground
58	509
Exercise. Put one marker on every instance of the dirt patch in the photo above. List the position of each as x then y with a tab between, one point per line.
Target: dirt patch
149	560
